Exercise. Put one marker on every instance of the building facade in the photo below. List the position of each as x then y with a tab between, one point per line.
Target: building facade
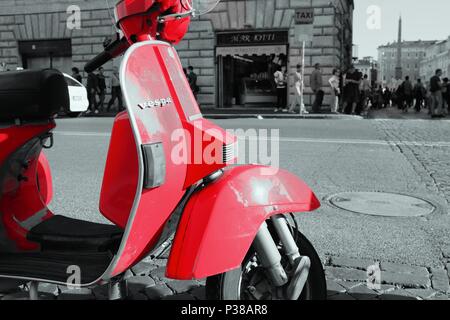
233	49
369	66
61	34
412	54
437	56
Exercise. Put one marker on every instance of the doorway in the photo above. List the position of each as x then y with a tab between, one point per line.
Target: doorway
42	54
63	64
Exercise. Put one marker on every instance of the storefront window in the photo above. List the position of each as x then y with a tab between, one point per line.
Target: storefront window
247	62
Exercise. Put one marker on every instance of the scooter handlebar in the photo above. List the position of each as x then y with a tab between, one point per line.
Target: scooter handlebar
113	50
98	61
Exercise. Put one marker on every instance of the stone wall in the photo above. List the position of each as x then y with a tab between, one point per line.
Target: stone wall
46	20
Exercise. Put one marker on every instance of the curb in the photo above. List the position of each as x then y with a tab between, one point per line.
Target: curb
282	116
221	116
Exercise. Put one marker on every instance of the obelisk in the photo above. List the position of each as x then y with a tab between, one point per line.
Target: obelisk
398	68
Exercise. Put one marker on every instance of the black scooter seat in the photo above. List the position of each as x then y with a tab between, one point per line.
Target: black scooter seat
30	95
61	233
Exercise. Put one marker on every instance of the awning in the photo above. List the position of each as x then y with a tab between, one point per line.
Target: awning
251	50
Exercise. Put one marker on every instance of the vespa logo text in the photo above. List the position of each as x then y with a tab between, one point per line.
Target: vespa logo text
158	103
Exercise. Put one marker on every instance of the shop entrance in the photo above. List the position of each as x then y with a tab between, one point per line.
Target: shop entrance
247	62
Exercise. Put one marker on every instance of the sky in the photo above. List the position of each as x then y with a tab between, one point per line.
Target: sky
422	19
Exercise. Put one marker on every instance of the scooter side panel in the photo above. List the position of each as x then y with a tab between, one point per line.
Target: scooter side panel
221	221
22	205
152	103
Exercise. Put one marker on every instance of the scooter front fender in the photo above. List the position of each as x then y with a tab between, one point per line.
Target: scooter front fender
221	221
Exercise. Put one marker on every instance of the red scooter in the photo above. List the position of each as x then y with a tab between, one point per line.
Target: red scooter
232	225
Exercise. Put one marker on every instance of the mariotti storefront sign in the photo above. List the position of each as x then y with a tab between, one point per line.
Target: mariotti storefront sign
252	43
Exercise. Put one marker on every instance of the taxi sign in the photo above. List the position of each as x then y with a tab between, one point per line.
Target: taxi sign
304	16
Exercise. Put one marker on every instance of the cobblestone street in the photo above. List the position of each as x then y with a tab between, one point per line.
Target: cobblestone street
346	280
413	254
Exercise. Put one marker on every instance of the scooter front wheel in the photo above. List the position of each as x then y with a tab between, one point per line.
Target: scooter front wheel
251	281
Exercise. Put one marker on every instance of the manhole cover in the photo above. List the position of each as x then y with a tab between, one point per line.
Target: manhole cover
382	204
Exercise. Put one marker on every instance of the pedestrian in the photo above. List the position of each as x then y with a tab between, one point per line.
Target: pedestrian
92	89
400	97
316	86
335	90
101	88
76	74
378	100
192	78
419	94
280	78
446	93
116	91
408	92
429	100
365	88
436	94
352	80
298	92
387	96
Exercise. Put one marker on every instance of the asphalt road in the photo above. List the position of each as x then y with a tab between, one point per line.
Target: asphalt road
332	156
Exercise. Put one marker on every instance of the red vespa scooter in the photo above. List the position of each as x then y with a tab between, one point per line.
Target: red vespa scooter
230	224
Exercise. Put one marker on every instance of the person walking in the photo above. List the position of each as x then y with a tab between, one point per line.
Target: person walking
407	94
76	74
365	88
298	92
387	96
436	94
116	91
101	88
400	97
316	86
280	78
335	90
352	80
446	94
192	78
419	92
92	90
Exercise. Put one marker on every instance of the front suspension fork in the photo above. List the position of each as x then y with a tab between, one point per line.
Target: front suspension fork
270	258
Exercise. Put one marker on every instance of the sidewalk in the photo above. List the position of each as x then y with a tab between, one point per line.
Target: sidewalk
395	113
245	113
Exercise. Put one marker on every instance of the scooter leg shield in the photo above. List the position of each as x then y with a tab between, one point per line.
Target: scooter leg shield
221	221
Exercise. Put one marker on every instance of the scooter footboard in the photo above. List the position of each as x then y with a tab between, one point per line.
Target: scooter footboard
221	221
